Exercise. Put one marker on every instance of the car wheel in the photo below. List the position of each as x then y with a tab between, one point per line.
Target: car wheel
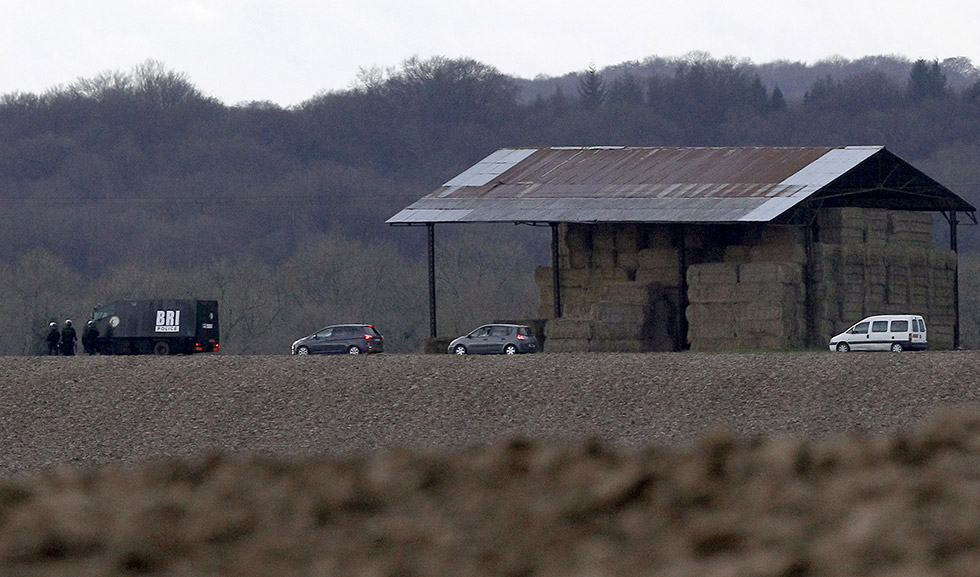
510	350
161	348
843	347
897	347
303	351
459	350
353	350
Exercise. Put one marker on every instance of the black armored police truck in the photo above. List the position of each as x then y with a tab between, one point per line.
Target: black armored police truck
159	327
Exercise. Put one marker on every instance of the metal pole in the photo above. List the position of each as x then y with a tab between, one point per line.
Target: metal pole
680	241
555	269
432	279
956	278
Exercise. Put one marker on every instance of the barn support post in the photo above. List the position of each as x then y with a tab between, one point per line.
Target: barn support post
555	269
432	278
956	278
680	241
809	304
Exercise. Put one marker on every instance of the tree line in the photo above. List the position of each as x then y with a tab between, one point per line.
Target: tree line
128	185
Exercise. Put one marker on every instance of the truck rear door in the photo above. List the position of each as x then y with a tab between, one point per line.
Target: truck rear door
208	334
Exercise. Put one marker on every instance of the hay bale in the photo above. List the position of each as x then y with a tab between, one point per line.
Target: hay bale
657	236
632	292
604	260
653	258
605	311
634	329
619	346
737	254
575	238
765	342
604	238
436	346
711	293
575	310
612	274
771	273
566	346
669	276
565	328
795	253
701	344
703	314
574	278
628	239
713	273
776	295
627	260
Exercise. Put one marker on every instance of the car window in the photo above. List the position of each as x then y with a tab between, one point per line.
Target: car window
900	326
523	331
325	333
879	327
860	329
480	332
344	331
499	331
368	329
922	326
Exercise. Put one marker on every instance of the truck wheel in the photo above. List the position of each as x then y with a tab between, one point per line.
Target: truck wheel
161	348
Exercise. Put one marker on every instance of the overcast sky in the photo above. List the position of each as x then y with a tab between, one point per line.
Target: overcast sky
287	51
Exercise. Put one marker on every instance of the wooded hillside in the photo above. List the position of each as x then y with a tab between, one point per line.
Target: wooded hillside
137	185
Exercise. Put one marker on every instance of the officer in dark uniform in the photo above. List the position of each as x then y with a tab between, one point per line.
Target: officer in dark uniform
68	339
53	337
90	338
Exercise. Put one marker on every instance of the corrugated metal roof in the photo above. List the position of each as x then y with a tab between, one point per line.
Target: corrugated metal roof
623	184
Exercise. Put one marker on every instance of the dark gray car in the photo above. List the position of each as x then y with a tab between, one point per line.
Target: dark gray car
495	339
351	339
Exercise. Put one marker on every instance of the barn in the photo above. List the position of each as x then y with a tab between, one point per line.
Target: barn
741	248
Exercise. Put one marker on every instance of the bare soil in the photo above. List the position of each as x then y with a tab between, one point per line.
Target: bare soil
789	464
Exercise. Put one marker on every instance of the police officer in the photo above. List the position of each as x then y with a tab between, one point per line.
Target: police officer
53	337
68	339
90	338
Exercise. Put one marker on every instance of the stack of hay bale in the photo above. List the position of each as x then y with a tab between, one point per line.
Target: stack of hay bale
755	289
746	306
617	294
873	261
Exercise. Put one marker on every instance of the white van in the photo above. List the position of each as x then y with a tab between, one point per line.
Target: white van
895	333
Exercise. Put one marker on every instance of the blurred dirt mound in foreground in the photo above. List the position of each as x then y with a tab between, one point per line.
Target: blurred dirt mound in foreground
901	504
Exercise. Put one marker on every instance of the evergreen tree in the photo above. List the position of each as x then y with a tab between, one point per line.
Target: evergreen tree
777	101
926	81
591	89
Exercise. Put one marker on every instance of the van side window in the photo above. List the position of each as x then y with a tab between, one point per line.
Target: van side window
900	326
879	327
922	326
860	329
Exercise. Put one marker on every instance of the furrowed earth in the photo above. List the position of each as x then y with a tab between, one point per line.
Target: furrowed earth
781	464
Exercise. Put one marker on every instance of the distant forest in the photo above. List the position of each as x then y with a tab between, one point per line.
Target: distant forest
137	185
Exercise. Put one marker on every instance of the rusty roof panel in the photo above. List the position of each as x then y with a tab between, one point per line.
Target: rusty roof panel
622	184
